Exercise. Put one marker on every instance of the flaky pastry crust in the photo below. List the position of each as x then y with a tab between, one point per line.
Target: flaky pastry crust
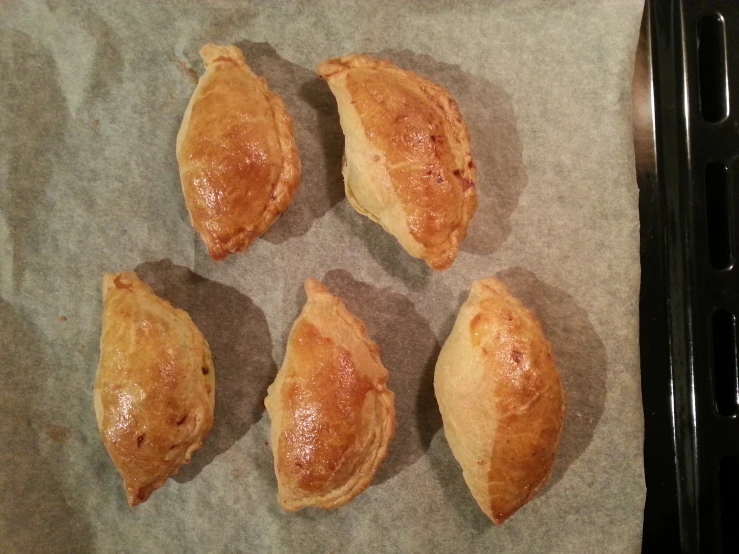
239	165
407	159
155	387
500	399
331	412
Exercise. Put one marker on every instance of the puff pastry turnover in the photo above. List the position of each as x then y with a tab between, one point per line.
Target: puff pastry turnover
407	159
500	399
332	415
154	392
239	165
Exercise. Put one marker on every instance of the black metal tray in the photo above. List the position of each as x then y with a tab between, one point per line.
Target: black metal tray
686	99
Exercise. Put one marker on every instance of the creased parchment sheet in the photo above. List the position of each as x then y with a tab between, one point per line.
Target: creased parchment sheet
91	98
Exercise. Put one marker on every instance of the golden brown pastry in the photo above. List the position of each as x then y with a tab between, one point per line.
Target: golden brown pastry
239	165
332	416
407	160
155	388
500	399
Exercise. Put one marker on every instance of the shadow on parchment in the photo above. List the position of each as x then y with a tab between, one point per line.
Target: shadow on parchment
408	348
580	357
317	134
32	138
34	505
488	111
239	339
107	70
315	115
385	249
457	494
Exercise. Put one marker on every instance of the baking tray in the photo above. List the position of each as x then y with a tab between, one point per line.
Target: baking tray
686	134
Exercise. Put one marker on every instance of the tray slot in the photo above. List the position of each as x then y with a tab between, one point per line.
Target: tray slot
712	74
729	495
718	215
725	382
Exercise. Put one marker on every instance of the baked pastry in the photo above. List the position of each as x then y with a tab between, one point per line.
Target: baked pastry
332	416
239	165
407	160
500	399
155	387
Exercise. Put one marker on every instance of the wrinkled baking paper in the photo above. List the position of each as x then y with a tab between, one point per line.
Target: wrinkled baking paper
91	98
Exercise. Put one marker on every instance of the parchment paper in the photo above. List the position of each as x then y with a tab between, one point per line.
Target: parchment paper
91	98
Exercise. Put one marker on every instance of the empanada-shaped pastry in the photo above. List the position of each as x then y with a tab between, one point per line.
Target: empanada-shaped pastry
155	388
407	160
500	399
332	416
239	165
